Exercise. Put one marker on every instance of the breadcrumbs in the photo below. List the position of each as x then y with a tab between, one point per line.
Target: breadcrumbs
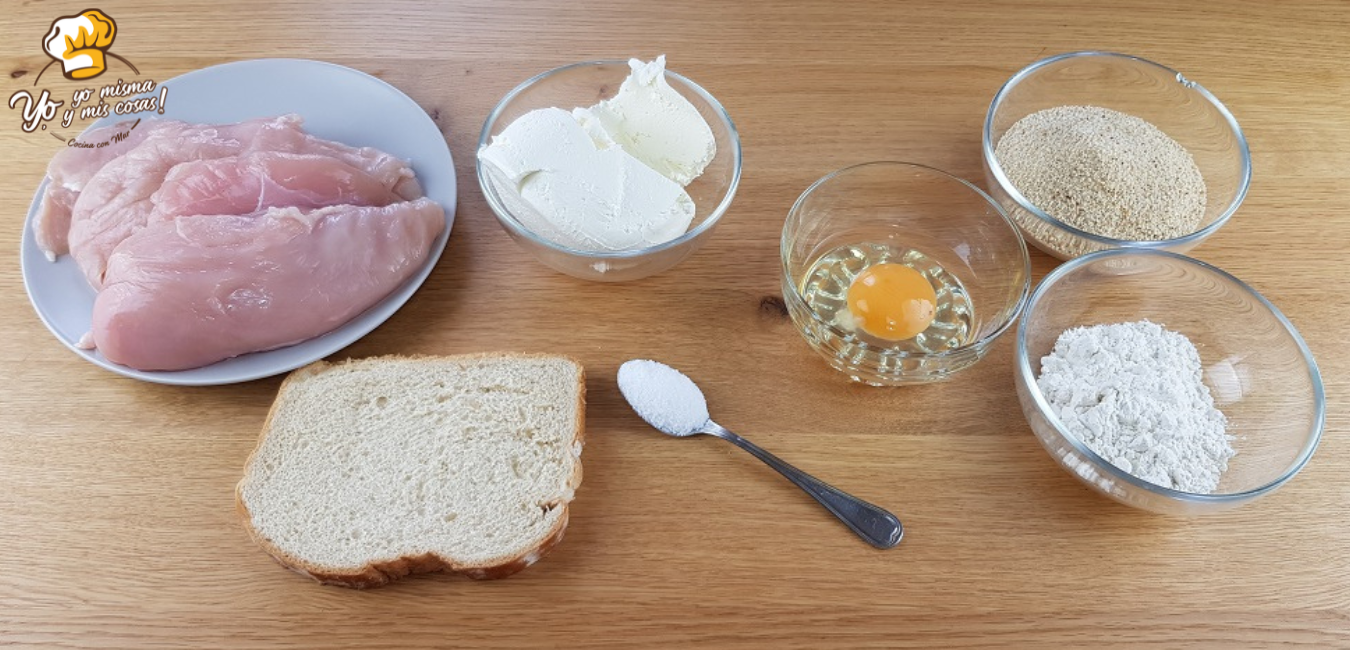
1103	171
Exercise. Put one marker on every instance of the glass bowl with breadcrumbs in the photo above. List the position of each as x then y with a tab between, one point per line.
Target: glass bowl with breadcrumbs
1089	151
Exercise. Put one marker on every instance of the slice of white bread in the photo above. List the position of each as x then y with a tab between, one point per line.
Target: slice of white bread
372	469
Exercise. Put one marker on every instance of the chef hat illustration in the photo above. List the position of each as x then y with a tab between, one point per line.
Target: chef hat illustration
78	42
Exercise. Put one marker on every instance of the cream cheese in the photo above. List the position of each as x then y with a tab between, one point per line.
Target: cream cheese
609	177
656	124
561	186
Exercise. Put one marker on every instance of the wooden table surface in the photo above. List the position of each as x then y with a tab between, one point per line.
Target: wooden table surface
117	520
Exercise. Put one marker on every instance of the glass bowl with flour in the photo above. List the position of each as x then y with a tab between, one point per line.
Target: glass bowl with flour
1166	383
1089	151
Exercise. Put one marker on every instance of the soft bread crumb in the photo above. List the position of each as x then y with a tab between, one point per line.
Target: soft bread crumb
371	469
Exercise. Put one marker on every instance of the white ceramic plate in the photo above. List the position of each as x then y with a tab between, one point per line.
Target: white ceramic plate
337	103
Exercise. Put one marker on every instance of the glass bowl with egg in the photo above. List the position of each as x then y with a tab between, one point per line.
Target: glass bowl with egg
898	273
609	170
1089	151
1255	369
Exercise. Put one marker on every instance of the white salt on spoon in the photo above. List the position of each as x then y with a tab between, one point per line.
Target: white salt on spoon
664	397
673	404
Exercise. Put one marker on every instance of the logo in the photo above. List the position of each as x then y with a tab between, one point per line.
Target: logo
81	43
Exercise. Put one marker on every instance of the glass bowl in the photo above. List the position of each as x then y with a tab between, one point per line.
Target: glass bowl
584	84
1257	367
1182	108
906	206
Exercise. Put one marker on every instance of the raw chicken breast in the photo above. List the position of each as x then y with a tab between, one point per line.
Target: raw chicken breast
392	170
193	291
51	224
72	167
116	202
261	180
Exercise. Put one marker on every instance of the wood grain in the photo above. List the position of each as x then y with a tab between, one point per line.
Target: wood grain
117	527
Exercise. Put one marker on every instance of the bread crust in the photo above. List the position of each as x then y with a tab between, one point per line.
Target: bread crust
382	573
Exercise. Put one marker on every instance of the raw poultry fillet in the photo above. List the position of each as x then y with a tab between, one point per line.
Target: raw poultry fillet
199	289
117	201
208	241
261	180
71	168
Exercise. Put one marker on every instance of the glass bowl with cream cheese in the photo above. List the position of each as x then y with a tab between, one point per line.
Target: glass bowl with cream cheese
609	170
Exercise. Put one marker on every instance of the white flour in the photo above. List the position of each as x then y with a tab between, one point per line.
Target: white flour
1132	392
663	396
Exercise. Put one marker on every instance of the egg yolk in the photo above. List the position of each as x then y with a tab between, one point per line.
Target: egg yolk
892	301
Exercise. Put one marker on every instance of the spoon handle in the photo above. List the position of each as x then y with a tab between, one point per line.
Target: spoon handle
874	524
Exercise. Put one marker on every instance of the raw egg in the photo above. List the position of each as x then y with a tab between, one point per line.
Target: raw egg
892	301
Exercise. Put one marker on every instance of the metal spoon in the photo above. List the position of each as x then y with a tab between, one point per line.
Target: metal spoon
674	405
